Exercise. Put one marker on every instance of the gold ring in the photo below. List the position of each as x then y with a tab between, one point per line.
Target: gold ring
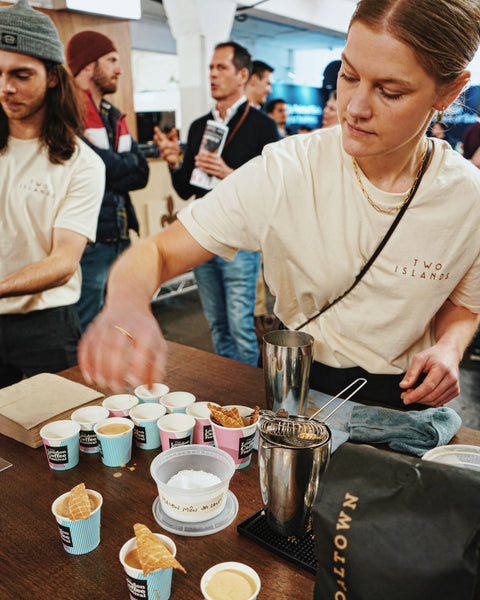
124	332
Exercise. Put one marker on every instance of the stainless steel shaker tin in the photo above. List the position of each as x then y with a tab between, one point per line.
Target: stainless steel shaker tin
293	452
287	358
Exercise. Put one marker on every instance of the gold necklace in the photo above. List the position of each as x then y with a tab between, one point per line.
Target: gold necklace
390	211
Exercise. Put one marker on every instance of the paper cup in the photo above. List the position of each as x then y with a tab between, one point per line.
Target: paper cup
61	443
83	535
156	584
177	402
238	441
203	432
115	446
120	404
87	417
176	429
145	432
145	395
232	578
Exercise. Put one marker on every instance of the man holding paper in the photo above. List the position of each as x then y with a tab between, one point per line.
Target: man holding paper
227	288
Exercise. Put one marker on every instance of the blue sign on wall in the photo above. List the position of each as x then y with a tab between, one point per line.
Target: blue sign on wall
304	103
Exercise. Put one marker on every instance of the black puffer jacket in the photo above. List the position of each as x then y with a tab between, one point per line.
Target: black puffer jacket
126	169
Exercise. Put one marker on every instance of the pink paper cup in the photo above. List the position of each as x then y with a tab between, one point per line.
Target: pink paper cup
203	432
176	429
87	417
120	404
236	441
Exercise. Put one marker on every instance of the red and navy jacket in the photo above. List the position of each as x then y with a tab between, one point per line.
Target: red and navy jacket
126	168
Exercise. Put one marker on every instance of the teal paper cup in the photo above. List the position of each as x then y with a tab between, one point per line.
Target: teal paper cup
83	535
145	431
156	584
154	394
61	443
177	402
115	440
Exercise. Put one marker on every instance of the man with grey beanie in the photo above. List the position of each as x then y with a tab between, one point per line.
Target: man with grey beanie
51	186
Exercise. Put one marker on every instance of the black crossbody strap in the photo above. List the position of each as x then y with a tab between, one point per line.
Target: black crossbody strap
380	247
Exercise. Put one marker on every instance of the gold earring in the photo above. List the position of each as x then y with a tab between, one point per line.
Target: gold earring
440	115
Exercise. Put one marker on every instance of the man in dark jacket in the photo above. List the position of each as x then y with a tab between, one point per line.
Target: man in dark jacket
94	62
227	289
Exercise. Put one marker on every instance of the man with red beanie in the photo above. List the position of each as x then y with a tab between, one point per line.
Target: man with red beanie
94	62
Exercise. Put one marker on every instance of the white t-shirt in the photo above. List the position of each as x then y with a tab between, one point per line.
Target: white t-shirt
37	196
301	205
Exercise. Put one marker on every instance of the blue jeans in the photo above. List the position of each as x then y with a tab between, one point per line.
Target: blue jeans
96	261
227	291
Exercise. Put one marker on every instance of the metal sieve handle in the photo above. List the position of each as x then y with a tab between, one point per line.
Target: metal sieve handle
361	380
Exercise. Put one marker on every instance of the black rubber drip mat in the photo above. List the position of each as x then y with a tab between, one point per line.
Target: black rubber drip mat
300	550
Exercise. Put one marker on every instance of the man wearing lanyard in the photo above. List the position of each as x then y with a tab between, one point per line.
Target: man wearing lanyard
227	288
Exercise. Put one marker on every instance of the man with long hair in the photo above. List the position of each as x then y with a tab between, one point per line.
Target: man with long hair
94	62
50	194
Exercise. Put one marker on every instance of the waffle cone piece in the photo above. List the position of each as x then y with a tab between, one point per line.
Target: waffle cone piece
226	417
152	553
79	503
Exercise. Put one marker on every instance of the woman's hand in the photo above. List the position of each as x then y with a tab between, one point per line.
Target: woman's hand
123	347
441	383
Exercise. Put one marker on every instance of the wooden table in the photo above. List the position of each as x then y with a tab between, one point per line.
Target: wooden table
34	564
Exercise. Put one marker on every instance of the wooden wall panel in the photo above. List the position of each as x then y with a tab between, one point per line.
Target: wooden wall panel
69	22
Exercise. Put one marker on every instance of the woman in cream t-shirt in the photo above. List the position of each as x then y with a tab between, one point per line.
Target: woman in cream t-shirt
318	205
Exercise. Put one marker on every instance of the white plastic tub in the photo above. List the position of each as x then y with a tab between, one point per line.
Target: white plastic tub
198	504
467	457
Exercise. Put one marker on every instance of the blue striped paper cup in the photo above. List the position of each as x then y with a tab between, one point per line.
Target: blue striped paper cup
115	440
61	443
145	416
156	584
83	535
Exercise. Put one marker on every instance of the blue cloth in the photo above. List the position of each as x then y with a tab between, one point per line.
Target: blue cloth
227	292
96	261
414	432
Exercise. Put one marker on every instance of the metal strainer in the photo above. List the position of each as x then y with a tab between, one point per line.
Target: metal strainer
293	431
293	452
